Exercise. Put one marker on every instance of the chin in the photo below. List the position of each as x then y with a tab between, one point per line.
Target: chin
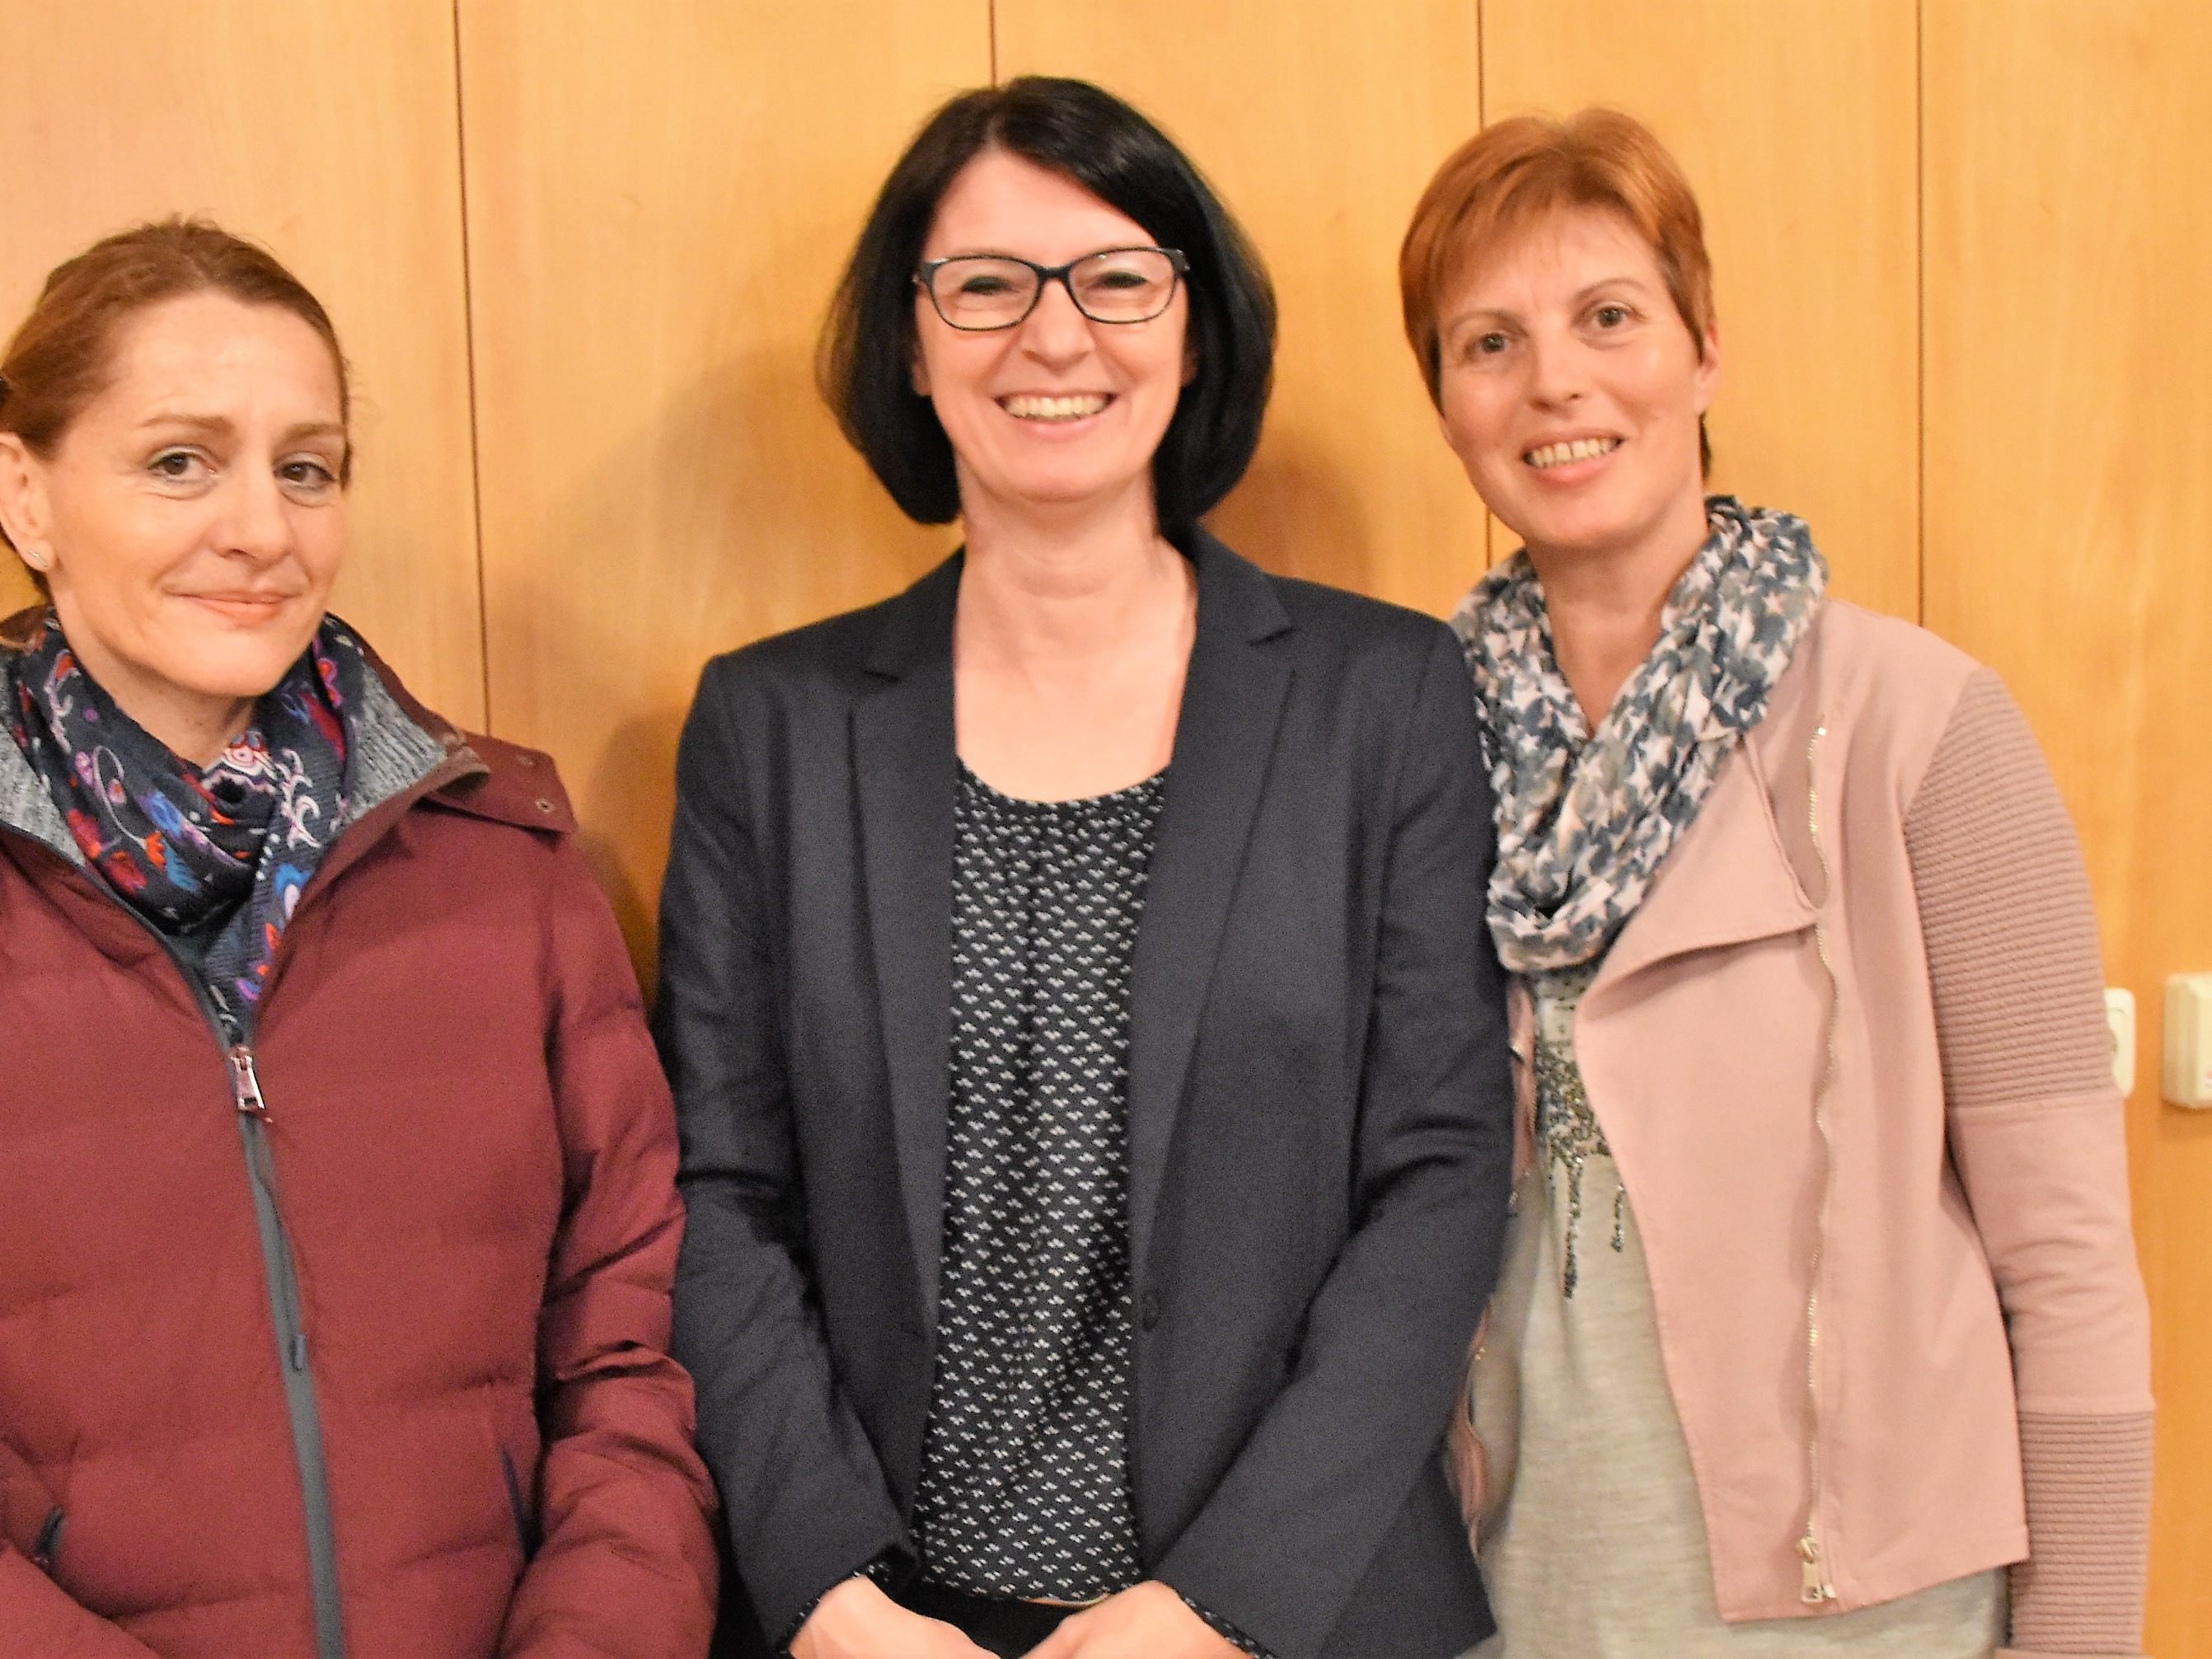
244	665
1581	537
1052	490
1574	527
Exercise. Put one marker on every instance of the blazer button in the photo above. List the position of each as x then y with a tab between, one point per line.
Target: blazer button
1148	1312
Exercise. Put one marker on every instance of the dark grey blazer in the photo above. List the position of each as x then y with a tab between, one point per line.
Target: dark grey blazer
1320	1130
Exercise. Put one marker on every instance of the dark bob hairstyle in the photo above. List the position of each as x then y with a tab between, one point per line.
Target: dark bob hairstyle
865	365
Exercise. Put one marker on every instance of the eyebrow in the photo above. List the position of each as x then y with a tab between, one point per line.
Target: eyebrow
220	426
1627	277
1002	253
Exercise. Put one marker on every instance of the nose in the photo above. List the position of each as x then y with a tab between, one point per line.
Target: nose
1559	370
1055	331
259	523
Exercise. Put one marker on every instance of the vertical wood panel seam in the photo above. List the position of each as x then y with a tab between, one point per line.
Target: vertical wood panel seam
991	12
1482	120
1920	305
469	331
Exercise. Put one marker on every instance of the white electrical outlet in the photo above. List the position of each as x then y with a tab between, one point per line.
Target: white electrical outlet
2120	1021
2188	1042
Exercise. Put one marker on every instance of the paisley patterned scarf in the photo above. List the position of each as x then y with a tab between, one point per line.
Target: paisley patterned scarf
1585	819
216	857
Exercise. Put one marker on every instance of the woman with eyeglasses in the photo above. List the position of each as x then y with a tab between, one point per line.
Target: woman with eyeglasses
1089	1054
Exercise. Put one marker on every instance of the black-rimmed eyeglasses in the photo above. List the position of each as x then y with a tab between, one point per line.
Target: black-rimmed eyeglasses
982	291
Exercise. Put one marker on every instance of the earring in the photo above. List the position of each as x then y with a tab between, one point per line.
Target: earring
38	558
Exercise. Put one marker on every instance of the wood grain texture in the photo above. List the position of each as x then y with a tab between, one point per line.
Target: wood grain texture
1320	123
660	197
328	131
1796	122
2068	167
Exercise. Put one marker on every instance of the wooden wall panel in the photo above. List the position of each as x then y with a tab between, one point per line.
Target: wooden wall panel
1320	122
660	195
1796	122
327	130
2068	166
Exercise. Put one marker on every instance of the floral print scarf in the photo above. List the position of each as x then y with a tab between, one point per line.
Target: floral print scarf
215	856
1586	818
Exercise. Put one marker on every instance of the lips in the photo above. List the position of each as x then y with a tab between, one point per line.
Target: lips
248	607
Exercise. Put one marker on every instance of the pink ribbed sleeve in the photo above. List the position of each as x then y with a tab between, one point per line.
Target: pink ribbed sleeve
2037	1133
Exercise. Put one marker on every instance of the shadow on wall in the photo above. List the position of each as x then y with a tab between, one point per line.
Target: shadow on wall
735	510
638	763
1295	514
15	589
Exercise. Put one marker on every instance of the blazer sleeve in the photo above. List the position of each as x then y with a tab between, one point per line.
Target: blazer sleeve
806	1501
626	1562
1282	1544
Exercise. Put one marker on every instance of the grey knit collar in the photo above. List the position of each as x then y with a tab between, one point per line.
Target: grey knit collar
392	753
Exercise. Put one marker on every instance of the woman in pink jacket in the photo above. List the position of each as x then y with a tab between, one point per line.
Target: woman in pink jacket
1821	1309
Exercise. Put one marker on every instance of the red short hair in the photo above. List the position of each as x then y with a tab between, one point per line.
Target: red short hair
1515	171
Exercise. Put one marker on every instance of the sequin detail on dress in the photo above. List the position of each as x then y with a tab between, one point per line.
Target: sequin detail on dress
1567	1132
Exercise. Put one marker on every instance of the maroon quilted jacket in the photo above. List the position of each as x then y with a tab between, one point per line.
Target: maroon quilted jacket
355	1345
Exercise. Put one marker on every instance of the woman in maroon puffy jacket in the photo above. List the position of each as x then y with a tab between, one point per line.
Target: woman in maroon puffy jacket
336	1214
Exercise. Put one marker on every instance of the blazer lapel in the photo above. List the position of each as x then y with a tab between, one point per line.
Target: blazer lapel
904	781
1232	704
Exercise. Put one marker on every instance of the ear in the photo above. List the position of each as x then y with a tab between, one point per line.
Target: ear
26	512
1709	367
917	370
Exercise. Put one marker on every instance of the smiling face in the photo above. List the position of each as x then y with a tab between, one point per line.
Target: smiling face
190	521
1570	389
1058	411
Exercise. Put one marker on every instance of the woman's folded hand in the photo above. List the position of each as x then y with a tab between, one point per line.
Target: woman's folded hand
1146	1621
857	1620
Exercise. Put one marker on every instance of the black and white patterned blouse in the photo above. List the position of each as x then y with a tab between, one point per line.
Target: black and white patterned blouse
1024	1481
1024	1489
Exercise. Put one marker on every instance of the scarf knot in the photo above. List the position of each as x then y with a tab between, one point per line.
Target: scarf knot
1585	818
215	856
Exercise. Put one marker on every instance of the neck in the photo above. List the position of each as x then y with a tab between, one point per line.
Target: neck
195	730
195	727
1605	604
1048	591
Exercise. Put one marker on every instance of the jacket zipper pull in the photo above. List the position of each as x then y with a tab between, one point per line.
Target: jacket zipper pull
245	1086
1817	1588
